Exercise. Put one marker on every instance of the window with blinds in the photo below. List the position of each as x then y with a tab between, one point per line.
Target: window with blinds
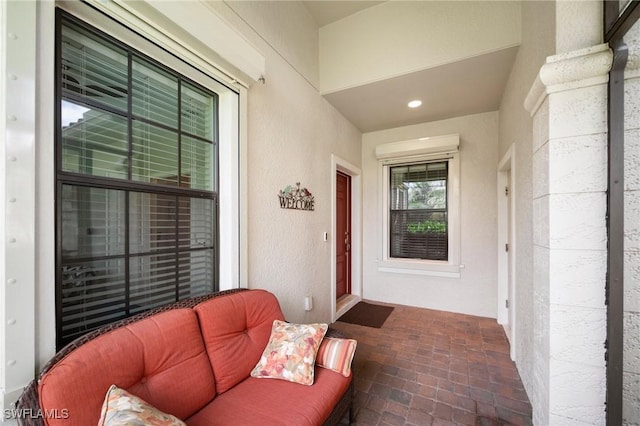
136	177
418	211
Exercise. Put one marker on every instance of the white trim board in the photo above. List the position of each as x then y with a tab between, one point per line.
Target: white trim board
507	235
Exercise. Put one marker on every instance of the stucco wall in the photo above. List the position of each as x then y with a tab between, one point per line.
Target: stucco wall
475	291
292	133
290	30
578	24
516	127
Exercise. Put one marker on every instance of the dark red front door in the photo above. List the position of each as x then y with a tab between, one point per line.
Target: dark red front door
343	235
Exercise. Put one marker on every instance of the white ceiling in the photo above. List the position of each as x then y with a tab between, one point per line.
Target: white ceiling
470	86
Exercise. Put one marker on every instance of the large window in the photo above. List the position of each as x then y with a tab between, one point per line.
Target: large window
418	211
136	182
419	181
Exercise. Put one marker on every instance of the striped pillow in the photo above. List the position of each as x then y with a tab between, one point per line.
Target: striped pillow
336	354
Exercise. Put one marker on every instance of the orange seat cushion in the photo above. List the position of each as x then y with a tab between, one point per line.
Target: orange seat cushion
236	329
264	402
160	359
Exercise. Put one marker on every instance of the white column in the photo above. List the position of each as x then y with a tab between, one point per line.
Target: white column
568	103
17	198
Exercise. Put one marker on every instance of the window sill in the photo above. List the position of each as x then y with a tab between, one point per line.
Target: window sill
420	267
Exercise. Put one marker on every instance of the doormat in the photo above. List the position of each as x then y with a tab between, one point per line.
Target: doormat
367	314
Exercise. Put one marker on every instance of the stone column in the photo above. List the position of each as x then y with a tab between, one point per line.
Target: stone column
568	103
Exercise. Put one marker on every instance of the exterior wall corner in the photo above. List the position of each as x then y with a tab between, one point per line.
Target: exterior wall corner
568	103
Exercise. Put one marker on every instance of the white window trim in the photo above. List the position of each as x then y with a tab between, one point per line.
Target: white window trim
229	56
450	268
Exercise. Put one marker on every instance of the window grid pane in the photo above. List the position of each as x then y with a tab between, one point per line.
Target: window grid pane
155	154
196	273
152	281
93	68
155	94
152	222
94	142
126	250
198	164
93	294
92	222
197	112
197	217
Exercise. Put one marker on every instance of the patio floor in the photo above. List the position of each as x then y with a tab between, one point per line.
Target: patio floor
427	367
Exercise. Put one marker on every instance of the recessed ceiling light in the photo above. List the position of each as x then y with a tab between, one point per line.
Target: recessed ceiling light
415	104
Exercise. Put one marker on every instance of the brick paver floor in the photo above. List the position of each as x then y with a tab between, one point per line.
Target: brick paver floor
426	367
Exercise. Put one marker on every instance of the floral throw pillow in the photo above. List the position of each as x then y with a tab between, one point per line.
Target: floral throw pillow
291	352
122	408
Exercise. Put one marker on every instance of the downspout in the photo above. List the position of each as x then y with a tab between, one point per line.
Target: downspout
616	25
615	231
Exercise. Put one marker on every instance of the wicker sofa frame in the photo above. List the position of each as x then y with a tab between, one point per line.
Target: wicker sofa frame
29	400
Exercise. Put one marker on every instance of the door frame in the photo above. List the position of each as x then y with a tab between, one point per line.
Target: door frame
340	165
507	235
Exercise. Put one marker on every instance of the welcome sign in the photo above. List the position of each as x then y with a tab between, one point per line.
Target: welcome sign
296	198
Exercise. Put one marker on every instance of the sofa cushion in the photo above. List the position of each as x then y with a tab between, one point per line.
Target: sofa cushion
262	402
148	358
121	408
236	329
291	352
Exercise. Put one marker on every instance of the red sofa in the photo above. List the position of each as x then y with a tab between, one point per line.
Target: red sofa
192	360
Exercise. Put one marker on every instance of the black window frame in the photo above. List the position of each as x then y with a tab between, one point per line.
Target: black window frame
127	185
